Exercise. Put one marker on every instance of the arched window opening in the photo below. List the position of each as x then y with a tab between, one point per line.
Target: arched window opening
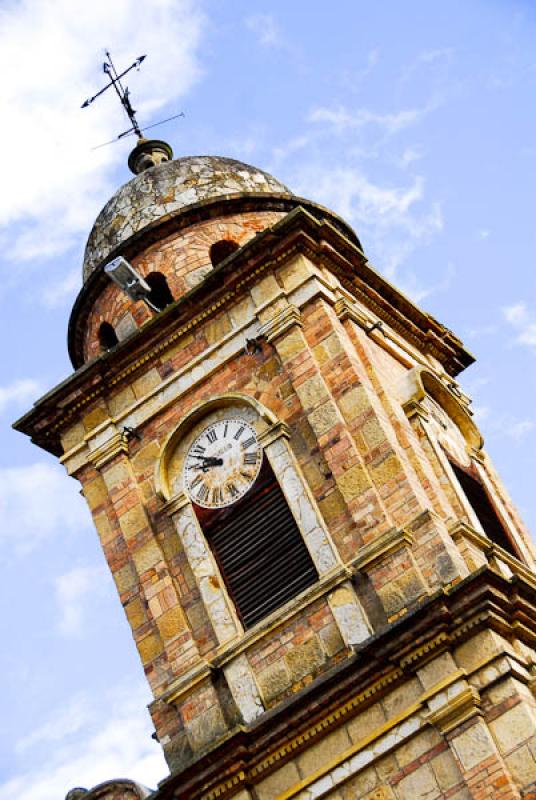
481	504
259	549
107	337
221	250
160	295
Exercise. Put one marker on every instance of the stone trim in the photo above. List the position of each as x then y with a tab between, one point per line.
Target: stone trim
498	557
375	745
116	445
383	546
456	711
281	323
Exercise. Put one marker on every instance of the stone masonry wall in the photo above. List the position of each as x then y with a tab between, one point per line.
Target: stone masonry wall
379	481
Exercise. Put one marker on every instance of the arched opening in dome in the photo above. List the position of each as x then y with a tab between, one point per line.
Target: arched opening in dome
160	295
107	337
221	250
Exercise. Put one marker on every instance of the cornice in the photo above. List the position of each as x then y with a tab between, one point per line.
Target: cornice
297	233
446	619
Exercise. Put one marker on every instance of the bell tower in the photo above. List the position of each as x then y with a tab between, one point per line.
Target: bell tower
330	591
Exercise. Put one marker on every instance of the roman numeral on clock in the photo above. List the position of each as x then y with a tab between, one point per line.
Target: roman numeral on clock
247	443
217	496
202	492
239	432
196	481
211	436
251	458
231	489
198	449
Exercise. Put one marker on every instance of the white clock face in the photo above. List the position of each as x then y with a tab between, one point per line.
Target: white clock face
222	463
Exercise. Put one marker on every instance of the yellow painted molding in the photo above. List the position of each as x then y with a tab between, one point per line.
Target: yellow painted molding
425	651
456	711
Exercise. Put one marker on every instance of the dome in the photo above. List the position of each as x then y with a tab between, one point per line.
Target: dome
166	190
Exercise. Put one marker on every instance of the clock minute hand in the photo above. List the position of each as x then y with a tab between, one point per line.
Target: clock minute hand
209	461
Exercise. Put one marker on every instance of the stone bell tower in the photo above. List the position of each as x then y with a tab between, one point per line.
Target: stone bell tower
329	589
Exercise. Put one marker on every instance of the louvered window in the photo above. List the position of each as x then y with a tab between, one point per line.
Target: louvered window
259	549
483	508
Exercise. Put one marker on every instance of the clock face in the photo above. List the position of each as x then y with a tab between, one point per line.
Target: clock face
222	463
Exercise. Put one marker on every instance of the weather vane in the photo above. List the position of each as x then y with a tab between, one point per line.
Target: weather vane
124	97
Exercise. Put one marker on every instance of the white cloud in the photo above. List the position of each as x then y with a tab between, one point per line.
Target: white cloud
523	321
343	119
19	393
266	30
67	721
37	502
74	590
89	748
61	292
53	183
517	430
389	219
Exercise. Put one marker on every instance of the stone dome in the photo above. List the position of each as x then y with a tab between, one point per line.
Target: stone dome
166	190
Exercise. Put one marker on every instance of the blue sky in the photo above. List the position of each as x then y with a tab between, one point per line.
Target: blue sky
413	120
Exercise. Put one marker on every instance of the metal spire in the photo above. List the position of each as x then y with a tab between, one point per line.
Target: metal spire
122	92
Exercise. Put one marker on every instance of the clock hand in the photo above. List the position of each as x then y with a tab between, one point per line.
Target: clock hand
208	461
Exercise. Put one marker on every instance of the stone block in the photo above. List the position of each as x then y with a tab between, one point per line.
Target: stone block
401	592
95	492
171	623
419	785
328	748
473	746
146	457
216	329
360	785
125	578
95	417
479	648
312	392
436	670
353	403
295	272
116	474
104	529
273	680
324	418
331	639
402	697
265	290
121	400
353	482
278	782
514	727
206	728
132	522
145	383
522	766
73	436
242	313
305	659
136	613
366	723
291	344
446	771
147	557
417	746
149	648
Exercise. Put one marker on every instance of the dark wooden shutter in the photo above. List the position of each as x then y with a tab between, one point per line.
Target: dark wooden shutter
260	550
483	508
